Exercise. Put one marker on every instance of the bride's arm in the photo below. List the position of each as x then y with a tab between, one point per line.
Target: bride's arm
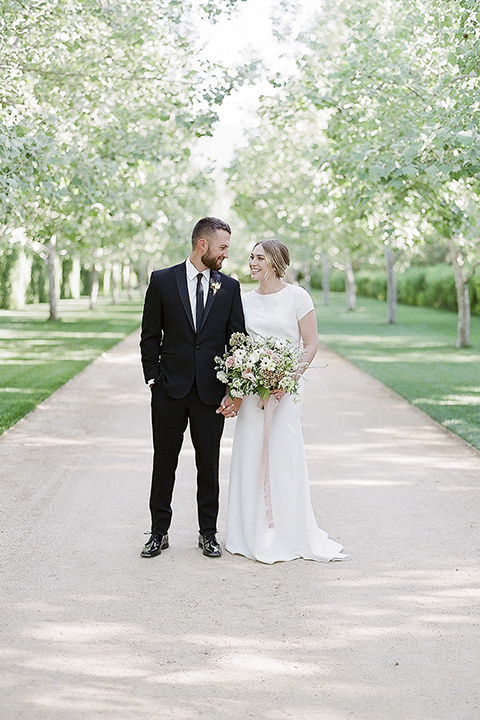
309	332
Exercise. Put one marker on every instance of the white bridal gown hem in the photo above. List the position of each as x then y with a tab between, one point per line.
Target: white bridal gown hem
295	533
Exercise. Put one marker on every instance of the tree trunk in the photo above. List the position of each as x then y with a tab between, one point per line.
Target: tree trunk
74	279
307	277
143	277
130	280
53	270
94	288
107	280
325	279
19	279
463	298
350	285
116	276
126	275
391	285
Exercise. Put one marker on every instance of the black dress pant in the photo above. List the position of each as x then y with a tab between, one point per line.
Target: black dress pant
170	417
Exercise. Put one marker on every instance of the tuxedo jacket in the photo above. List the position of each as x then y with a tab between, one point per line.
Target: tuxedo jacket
173	352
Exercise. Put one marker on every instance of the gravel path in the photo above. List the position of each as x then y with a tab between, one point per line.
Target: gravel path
91	631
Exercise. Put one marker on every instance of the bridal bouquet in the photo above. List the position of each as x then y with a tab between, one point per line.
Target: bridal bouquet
255	366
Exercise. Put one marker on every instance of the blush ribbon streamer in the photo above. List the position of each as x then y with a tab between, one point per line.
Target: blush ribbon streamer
269	406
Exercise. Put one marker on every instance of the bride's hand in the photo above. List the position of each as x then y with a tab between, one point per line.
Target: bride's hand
278	393
229	407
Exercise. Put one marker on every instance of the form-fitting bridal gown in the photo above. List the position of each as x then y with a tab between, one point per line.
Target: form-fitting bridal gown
295	533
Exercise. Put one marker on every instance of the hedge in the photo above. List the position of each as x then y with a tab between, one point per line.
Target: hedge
422	286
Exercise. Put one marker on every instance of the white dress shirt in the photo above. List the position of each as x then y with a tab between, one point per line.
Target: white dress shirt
192	273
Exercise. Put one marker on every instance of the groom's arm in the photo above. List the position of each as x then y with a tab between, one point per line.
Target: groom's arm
152	331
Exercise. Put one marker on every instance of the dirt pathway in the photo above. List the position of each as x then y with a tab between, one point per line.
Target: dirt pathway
91	631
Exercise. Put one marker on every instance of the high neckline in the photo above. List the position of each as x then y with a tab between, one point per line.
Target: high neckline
270	294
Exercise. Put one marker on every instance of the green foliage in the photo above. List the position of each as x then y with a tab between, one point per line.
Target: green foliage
371	284
373	144
439	289
411	286
37	291
337	281
428	287
316	279
432	287
474	289
101	106
7	259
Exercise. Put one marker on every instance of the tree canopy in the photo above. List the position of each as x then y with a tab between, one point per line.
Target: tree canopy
373	142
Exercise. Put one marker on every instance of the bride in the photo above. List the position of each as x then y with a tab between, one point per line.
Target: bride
285	311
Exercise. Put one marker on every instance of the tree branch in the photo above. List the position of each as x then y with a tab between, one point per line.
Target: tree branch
464	77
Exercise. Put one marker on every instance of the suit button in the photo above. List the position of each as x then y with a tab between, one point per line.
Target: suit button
197	347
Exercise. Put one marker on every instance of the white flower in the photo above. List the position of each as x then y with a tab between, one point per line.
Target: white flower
215	286
267	364
239	354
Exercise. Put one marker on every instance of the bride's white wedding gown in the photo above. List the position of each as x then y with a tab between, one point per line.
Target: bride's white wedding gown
295	533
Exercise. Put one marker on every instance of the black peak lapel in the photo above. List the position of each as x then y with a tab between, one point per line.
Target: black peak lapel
181	279
215	277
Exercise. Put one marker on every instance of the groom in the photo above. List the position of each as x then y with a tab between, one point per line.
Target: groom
190	312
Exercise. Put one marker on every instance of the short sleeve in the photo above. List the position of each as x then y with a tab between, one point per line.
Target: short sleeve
303	302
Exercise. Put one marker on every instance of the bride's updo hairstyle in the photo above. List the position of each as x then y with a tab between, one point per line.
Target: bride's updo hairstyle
276	254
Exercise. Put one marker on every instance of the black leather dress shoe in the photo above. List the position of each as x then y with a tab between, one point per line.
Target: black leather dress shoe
155	545
209	545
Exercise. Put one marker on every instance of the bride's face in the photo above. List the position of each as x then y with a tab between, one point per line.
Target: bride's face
259	266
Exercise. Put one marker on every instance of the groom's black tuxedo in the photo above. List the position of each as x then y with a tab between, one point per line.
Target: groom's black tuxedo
172	351
181	361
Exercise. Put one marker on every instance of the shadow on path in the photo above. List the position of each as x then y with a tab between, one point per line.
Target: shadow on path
91	631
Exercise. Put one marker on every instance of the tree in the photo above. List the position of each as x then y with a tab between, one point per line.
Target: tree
397	86
95	95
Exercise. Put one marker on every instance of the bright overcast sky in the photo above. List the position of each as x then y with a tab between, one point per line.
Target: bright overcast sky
247	33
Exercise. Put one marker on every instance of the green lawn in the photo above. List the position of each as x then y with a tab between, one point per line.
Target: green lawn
416	357
38	356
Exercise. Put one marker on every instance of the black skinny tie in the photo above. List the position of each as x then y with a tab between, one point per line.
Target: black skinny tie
200	303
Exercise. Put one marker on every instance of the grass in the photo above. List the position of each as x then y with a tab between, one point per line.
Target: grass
38	356
416	357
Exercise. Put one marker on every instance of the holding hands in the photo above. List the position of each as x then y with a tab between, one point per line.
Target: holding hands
228	407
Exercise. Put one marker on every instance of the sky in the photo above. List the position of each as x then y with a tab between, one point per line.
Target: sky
247	33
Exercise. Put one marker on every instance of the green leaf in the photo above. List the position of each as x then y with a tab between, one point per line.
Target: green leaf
263	392
465	137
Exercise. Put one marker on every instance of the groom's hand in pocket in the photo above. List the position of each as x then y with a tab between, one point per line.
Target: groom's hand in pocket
229	407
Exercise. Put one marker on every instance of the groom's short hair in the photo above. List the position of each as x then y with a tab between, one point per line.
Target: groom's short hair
208	226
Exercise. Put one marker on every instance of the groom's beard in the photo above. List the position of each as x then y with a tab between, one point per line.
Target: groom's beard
211	261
